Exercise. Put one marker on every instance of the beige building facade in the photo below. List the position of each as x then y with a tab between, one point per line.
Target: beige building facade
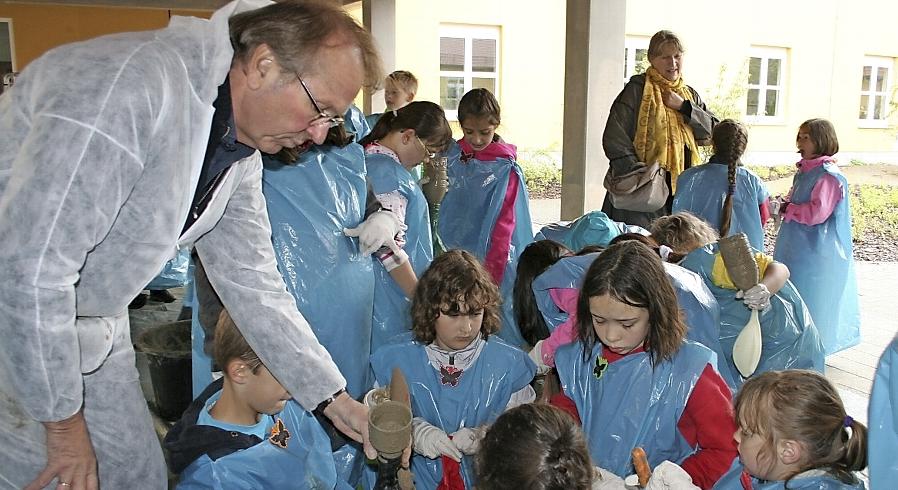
772	64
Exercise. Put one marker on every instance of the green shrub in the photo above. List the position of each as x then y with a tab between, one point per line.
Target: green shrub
541	174
874	209
772	173
541	177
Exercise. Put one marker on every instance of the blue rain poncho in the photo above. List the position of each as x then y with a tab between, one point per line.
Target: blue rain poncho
480	195
174	273
633	403
593	228
479	397
701	310
809	480
883	421
309	203
789	338
702	190
821	261
391	307
295	454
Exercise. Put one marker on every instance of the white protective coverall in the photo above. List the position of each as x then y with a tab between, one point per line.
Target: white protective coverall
92	135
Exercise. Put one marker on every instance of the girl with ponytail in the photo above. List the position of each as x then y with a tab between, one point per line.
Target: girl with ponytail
794	433
400	141
723	192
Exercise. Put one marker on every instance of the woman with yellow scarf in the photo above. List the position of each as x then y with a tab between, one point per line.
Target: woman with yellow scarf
656	118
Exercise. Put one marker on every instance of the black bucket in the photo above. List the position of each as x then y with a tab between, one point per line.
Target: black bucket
167	350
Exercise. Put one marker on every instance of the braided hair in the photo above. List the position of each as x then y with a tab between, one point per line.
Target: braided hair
730	138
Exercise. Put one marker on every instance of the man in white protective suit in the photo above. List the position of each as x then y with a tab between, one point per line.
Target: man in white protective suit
91	136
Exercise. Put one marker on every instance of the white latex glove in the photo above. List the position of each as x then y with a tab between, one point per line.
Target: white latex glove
536	356
773	205
670	476
467	440
756	298
379	230
431	442
606	480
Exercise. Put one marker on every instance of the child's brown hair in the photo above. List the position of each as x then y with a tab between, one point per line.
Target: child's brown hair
822	134
454	280
683	232
426	118
730	138
479	102
630	272
229	344
536	258
534	447
805	407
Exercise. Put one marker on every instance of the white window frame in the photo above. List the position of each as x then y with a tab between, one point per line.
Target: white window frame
766	53
876	62
468	33
631	44
12	42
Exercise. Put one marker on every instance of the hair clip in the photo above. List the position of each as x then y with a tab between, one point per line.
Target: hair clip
847	422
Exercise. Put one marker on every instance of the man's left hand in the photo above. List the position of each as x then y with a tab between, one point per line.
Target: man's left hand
351	418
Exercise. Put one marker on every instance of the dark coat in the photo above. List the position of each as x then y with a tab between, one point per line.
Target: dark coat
620	130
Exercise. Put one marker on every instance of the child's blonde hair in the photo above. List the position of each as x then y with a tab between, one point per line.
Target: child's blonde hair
534	447
630	272
730	138
822	134
404	80
803	406
683	232
229	344
454	280
479	102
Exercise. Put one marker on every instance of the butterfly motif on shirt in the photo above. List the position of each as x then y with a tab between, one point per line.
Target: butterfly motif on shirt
449	375
279	434
601	366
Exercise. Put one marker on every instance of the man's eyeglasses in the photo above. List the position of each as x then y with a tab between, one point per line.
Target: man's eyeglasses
428	155
323	117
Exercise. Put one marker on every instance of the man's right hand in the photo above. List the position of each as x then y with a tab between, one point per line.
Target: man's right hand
70	456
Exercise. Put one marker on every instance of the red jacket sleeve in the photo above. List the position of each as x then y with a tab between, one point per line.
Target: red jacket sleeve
708	422
560	400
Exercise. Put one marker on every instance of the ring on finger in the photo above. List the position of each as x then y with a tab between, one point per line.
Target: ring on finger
65	484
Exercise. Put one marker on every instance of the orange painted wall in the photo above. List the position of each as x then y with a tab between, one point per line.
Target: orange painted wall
38	28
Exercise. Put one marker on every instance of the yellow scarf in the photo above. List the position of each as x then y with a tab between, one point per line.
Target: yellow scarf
661	132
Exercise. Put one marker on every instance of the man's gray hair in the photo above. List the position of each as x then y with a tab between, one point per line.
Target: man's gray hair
297	31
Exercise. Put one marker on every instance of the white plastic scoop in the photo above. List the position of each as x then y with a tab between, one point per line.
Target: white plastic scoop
743	271
747	349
